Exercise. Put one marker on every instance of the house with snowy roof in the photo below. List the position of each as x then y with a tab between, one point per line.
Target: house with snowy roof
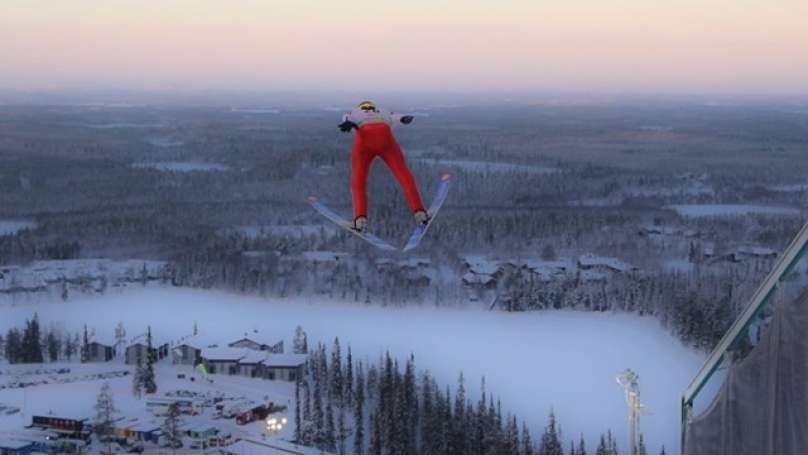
258	344
137	351
223	360
99	352
283	367
188	350
604	264
251	364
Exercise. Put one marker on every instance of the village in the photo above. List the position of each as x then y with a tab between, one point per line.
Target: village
232	398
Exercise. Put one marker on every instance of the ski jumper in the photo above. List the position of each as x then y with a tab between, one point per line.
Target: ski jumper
373	138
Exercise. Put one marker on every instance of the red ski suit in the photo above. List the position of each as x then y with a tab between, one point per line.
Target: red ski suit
374	139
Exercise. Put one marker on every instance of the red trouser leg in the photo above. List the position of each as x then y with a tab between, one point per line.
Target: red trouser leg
361	158
394	159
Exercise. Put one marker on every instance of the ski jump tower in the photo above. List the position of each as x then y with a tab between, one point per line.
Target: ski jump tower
630	381
763	296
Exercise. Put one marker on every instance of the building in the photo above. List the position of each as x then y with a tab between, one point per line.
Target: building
138	430
273	346
188	351
136	352
283	367
9	447
99	352
223	360
74	427
604	264
251	365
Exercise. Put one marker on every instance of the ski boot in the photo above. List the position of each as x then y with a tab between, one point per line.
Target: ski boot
421	217
360	224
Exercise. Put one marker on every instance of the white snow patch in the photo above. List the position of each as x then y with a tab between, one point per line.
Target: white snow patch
181	166
533	361
489	167
709	210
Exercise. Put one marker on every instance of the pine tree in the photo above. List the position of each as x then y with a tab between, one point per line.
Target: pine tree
171	427
550	441
2	345
581	446
527	442
359	404
149	383
300	343
137	380
342	433
663	451
602	447
375	435
104	411
31	342
336	385
13	346
85	346
120	338
641	449
459	430
330	442
53	344
348	393
298	421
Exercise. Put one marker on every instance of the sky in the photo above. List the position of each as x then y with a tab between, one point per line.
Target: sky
609	46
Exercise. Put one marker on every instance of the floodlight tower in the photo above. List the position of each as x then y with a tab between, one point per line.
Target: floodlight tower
630	381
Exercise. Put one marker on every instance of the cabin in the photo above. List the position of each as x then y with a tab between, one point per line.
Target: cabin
223	360
188	351
99	352
604	264
251	364
283	367
71	427
137	430
137	352
253	343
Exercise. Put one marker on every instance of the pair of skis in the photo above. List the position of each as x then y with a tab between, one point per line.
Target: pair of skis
418	233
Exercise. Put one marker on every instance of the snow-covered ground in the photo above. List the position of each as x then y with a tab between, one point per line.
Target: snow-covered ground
533	361
73	395
297	231
488	167
707	210
181	166
9	227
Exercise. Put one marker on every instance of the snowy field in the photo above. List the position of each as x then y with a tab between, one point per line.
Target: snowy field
489	167
567	360
9	227
707	210
181	166
297	231
74	394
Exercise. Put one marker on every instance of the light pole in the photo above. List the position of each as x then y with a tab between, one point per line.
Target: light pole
630	381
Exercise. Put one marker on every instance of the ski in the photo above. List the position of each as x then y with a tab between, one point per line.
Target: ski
437	202
348	226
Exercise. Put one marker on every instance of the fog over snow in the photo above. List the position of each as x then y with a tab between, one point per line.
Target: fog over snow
533	361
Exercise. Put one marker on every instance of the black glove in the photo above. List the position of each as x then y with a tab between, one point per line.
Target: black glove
347	126
407	119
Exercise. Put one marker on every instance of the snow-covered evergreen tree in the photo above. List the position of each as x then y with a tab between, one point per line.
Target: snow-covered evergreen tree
103	425
149	382
172	431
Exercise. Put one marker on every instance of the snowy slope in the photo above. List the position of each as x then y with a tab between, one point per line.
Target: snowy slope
567	360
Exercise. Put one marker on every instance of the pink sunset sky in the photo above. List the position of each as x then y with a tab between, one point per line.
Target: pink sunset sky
641	46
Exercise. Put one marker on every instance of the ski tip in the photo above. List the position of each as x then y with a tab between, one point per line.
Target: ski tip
446	177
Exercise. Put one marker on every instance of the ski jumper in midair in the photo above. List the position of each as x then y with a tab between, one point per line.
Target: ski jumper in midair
374	138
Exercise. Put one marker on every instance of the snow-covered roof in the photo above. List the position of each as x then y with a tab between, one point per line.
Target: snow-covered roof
325	256
481	265
224	354
541	266
9	444
254	357
757	251
258	338
590	260
196	341
475	278
285	360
